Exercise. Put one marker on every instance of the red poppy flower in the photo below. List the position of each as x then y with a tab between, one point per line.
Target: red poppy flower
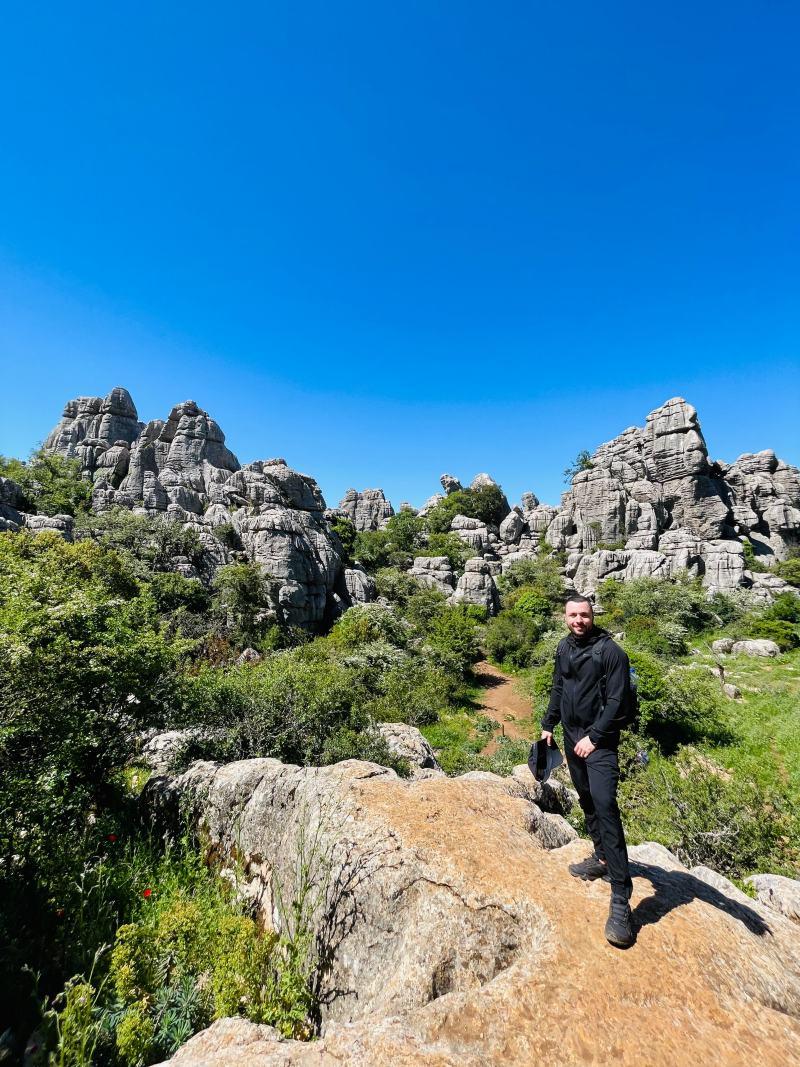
111	837
147	893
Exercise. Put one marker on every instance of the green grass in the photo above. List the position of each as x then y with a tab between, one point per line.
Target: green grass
765	723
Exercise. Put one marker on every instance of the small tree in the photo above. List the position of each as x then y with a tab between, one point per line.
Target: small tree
582	462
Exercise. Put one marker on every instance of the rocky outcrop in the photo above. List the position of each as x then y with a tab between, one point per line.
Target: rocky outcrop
651	503
434	572
452	935
756	646
367	510
778	893
656	505
408	743
477	585
181	468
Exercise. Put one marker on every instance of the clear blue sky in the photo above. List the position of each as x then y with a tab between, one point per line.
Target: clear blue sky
389	240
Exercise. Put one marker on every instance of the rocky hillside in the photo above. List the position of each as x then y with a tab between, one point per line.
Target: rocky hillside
650	502
449	931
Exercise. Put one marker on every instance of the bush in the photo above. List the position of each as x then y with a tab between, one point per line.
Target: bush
396	585
84	667
681	601
364	623
676	706
453	639
661	637
191	957
751	560
582	462
541	575
172	592
244	599
286	706
51	484
450	545
346	532
487	503
789	570
511	638
364	745
702	815
149	543
784	634
784	608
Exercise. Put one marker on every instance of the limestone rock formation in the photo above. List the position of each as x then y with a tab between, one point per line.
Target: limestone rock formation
409	744
652	503
181	467
434	572
455	937
477	585
367	510
777	892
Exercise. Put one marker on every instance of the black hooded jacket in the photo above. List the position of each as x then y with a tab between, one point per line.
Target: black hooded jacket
576	699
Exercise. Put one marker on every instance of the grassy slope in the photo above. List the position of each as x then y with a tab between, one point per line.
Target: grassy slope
765	723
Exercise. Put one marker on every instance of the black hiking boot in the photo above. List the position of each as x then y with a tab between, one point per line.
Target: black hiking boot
619	925
589	869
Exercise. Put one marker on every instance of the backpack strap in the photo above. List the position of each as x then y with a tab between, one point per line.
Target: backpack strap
597	660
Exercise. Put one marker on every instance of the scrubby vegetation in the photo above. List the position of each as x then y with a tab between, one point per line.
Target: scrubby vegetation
51	485
98	645
119	943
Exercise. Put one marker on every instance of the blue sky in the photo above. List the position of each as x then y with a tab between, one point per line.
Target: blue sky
391	240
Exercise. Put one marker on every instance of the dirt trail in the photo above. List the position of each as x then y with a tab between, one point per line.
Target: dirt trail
502	701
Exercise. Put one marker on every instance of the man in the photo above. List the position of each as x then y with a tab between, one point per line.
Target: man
590	696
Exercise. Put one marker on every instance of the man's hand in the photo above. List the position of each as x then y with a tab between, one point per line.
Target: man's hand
584	748
546	734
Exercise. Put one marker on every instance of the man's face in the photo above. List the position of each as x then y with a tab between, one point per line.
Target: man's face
579	618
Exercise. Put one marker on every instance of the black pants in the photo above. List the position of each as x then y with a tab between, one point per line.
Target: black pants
595	778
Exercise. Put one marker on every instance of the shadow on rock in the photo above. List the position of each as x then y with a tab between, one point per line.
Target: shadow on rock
673	889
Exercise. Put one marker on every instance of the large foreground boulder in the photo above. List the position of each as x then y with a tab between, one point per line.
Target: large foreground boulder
451	935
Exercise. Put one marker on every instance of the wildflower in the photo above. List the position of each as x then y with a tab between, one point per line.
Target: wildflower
59	913
112	838
147	893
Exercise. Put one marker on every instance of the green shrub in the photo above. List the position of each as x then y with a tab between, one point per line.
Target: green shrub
189	956
582	462
364	745
172	592
453	639
511	637
784	608
487	503
395	585
784	634
149	543
346	532
661	637
227	535
789	570
244	600
450	545
676	706
751	560
703	815
542	574
364	623
415	692
51	484
286	707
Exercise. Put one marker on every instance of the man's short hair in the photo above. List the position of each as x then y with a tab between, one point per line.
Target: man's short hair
578	598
